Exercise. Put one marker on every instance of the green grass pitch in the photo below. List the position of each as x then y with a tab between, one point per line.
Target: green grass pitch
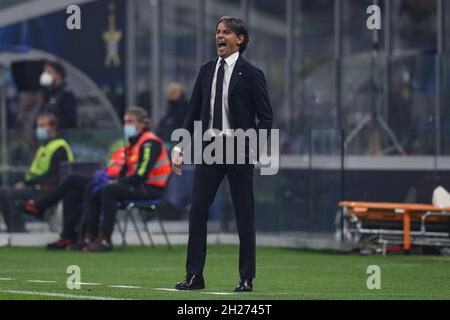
135	272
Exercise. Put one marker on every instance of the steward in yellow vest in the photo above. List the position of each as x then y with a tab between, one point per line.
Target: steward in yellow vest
43	175
44	170
72	191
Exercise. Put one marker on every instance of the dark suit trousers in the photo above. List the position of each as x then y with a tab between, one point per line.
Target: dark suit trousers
207	180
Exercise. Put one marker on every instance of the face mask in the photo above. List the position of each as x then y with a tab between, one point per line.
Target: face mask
46	79
129	131
41	133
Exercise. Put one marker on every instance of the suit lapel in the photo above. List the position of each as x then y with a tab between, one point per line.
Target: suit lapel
236	75
210	76
208	87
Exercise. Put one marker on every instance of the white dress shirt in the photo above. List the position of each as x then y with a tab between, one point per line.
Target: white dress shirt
230	62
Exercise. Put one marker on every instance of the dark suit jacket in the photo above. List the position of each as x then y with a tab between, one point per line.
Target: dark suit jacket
248	98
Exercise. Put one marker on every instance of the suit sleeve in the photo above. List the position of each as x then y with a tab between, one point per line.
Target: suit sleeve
148	155
262	105
261	101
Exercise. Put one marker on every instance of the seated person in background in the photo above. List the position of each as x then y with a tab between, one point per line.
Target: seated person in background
43	175
177	110
72	190
143	177
178	192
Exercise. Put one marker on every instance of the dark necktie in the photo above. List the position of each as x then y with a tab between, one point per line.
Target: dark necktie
217	116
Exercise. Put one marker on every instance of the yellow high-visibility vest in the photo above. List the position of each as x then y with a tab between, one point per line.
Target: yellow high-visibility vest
43	157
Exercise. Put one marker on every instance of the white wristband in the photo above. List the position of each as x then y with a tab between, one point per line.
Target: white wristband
178	149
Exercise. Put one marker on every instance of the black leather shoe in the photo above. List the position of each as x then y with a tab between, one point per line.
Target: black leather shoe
245	285
192	282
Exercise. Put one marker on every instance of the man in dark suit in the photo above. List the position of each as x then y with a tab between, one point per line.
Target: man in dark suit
229	93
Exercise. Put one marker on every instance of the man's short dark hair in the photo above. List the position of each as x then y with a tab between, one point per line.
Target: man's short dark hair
238	27
58	67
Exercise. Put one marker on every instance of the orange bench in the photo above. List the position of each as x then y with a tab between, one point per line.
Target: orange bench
397	212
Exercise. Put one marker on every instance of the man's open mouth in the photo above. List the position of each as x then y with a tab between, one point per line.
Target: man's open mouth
221	44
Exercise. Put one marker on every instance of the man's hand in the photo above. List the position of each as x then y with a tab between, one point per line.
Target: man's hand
177	162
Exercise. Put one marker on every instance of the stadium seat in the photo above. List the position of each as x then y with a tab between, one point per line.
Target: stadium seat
142	206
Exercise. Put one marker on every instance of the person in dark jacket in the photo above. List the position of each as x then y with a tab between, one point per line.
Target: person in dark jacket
58	100
229	94
178	108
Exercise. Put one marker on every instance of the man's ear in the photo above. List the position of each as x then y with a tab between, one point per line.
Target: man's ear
240	39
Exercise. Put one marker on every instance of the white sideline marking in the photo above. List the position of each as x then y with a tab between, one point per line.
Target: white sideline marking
203	292
167	289
126	287
42	281
218	293
88	283
28	270
6	279
279	267
159	268
225	293
61	295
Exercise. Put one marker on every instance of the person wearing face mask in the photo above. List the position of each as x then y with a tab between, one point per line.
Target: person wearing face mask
58	100
43	175
71	191
143	176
